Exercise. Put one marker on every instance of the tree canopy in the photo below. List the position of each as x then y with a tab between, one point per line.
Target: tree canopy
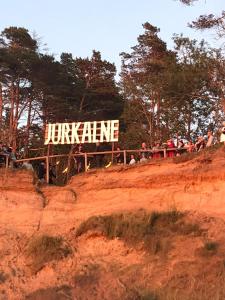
161	93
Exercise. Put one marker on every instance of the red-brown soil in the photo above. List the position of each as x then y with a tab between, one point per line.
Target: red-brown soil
102	268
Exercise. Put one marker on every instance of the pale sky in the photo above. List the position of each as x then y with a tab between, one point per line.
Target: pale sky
108	26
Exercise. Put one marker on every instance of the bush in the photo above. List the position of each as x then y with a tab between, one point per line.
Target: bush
3	277
52	293
43	249
139	227
88	276
185	157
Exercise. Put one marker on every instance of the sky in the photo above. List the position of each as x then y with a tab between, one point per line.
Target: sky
110	27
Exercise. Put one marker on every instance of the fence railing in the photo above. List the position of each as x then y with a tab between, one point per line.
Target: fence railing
89	155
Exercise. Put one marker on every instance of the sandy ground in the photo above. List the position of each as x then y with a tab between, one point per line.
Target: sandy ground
99	268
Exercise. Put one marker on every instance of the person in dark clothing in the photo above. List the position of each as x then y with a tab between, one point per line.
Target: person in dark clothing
52	174
80	159
99	157
119	156
41	172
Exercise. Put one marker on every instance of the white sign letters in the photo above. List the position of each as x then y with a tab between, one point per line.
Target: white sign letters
82	132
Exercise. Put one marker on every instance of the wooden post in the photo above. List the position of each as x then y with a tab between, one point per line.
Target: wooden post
7	161
85	162
164	152
47	169
112	152
124	157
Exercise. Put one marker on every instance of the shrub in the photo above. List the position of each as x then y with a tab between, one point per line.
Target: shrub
139	227
88	276
185	157
43	249
139	294
3	277
52	293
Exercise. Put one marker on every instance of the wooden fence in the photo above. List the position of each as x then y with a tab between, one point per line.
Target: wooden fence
87	155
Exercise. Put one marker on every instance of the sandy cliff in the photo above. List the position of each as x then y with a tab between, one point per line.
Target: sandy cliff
186	256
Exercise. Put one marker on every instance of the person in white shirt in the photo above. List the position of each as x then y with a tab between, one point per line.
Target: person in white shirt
210	141
222	136
143	158
132	160
28	166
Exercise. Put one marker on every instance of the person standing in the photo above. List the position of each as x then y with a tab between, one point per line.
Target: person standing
210	140
132	160
222	136
99	157
170	145
41	172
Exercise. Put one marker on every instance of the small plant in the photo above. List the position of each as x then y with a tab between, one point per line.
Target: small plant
43	249
87	276
185	157
148	296
3	277
139	294
165	218
211	246
52	293
209	249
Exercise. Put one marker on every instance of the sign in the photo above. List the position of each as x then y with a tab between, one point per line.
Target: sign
82	132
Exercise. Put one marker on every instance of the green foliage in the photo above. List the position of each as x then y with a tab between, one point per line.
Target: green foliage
41	89
170	93
43	249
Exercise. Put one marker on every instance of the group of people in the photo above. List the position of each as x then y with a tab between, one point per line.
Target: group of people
7	154
98	159
172	150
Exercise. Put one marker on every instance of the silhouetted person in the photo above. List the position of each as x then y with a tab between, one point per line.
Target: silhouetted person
41	172
99	157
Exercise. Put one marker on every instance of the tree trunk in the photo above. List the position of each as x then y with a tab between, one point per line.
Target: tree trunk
16	118
158	115
27	134
11	119
189	122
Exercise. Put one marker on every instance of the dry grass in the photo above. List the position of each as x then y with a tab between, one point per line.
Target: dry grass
153	230
87	276
43	249
139	295
209	249
205	152
54	293
3	277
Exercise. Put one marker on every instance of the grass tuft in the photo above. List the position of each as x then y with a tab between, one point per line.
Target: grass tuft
141	227
209	249
43	249
3	277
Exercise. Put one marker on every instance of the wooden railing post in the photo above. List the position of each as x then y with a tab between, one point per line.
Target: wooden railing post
124	157
85	162
47	169
164	153
7	161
